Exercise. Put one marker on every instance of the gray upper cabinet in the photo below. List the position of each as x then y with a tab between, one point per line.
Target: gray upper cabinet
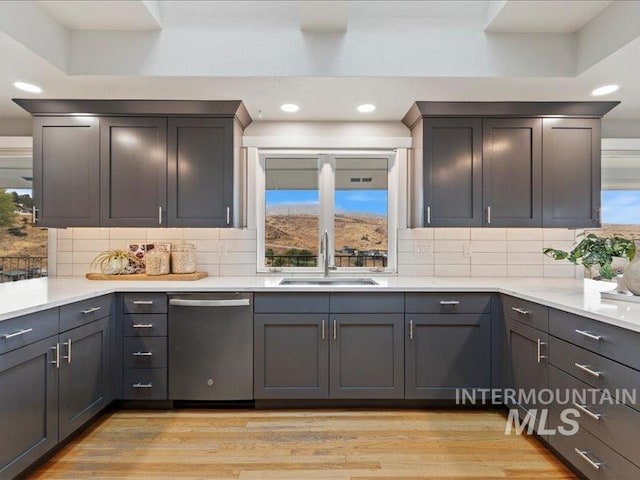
66	171
571	166
512	172
133	171
452	172
200	166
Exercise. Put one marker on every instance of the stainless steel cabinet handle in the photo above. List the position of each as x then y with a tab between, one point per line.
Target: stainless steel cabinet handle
143	302
335	329
521	311
68	355
23	331
142	354
228	215
90	310
143	325
56	359
34	215
585	456
449	302
181	302
589	335
540	356
160	215
586	411
410	329
322	329
428	215
488	215
142	385
585	368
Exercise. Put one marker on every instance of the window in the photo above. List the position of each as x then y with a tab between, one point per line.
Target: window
621	207
348	195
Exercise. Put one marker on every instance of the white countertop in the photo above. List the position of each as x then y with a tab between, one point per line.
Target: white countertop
576	296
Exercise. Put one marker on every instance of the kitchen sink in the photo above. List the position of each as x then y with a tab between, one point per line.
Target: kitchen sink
328	281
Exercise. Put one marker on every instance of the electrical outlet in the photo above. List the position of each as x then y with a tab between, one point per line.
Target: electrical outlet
423	248
466	250
222	246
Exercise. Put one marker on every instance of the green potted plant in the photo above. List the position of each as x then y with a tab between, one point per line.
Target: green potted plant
114	262
594	251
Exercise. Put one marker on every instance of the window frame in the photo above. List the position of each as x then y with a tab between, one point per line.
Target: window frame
326	195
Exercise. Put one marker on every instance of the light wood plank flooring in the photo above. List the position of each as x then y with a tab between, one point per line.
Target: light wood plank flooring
302	444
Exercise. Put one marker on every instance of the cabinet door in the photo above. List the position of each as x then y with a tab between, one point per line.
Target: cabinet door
28	405
571	172
66	171
528	368
452	172
512	172
133	171
291	356
367	356
200	172
84	374
445	352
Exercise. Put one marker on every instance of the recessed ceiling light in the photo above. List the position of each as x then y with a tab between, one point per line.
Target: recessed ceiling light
366	108
27	87
605	90
289	107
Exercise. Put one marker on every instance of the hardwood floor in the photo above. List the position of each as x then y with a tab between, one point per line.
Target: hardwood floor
302	444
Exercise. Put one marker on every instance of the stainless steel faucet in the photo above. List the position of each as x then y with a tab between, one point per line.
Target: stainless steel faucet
324	249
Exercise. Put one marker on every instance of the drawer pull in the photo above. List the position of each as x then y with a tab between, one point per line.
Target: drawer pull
449	302
90	310
521	311
585	368
540	356
143	325
322	330
56	358
143	302
586	411
67	357
142	354
589	335
143	385
585	456
410	329
23	331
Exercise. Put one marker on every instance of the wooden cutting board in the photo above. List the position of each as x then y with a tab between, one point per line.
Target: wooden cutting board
180	277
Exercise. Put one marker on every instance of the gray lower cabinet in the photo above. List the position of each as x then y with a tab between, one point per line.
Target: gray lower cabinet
527	363
512	172
200	172
28	405
445	352
66	171
366	358
291	356
571	166
133	173
84	383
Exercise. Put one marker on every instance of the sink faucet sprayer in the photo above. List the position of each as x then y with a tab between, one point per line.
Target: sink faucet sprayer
324	249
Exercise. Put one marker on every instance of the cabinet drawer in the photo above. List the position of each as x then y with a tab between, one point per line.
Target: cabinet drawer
615	424
533	314
291	303
367	303
145	384
448	303
595	370
140	325
145	352
145	303
607	340
612	465
86	311
20	331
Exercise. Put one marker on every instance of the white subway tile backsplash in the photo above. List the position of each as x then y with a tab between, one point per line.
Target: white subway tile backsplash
239	258
406	246
488	234
488	246
121	244
65	245
64	257
452	270
524	270
133	235
451	259
489	259
205	245
488	270
201	233
558	234
240	245
525	258
238	234
90	245
524	234
84	257
207	257
559	271
91	234
80	269
213	270
237	270
65	233
415	234
410	258
415	270
525	246
452	233
164	235
449	246
64	269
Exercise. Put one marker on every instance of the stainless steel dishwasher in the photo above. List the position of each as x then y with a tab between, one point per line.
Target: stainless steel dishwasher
211	346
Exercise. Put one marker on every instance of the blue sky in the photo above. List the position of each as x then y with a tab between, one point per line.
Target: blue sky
361	201
621	206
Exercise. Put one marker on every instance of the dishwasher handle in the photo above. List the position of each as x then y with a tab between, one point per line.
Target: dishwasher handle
183	302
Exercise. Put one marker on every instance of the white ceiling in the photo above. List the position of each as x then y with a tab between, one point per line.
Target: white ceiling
225	50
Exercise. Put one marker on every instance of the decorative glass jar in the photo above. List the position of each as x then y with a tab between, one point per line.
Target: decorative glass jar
157	260
183	258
